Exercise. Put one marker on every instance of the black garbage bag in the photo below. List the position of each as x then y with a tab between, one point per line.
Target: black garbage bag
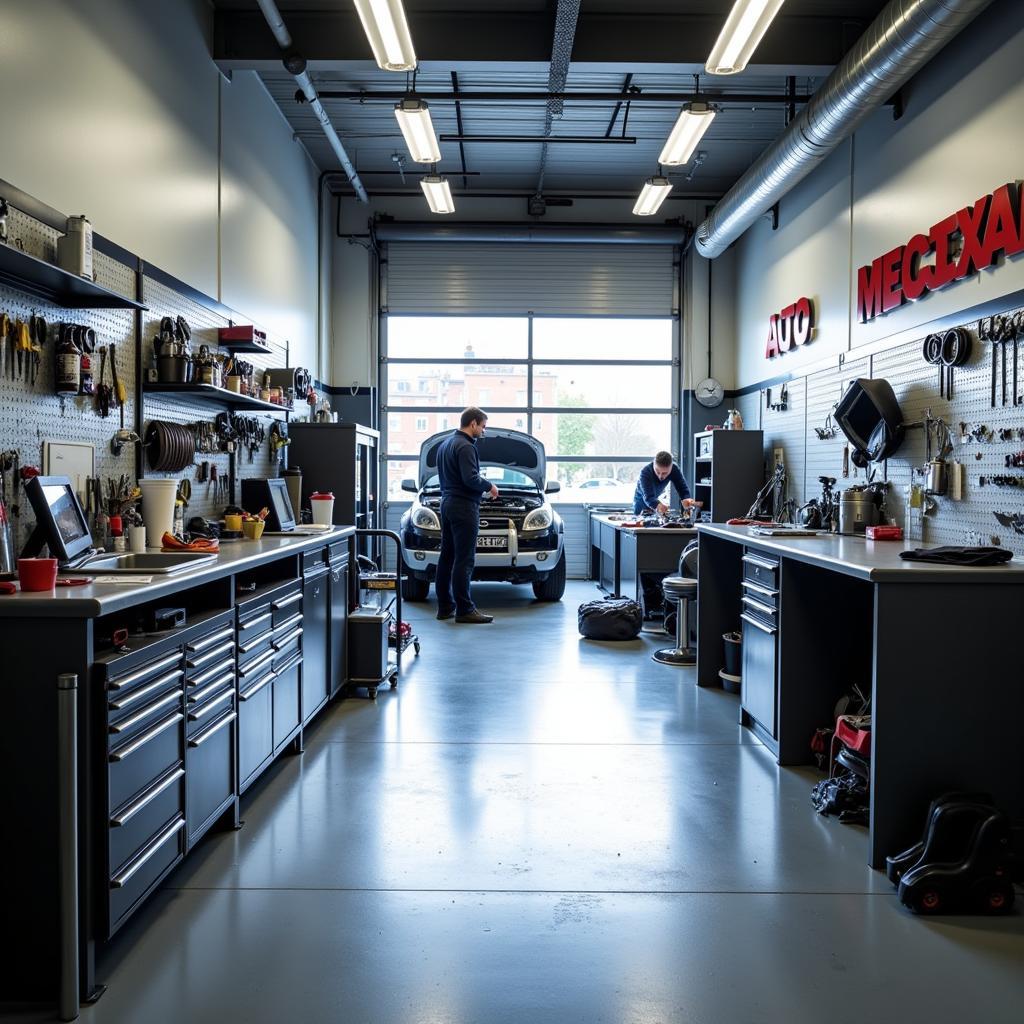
614	618
844	795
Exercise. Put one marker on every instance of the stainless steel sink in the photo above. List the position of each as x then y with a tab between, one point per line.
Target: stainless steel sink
147	563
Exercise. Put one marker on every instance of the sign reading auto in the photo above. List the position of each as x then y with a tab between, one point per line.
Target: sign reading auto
793	327
963	243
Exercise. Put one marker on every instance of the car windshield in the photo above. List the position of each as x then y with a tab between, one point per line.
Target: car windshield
502	476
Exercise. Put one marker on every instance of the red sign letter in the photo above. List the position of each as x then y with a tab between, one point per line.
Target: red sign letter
944	271
869	291
917	279
803	322
772	349
892	296
1002	235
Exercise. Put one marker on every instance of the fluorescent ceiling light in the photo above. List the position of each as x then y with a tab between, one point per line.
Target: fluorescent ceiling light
743	30
388	33
439	195
652	195
693	121
414	120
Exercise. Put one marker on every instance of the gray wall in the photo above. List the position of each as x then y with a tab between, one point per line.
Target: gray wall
959	139
113	108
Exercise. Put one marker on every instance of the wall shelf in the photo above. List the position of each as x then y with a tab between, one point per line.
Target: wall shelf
49	282
209	393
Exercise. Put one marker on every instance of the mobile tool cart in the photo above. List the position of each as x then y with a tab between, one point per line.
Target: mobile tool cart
373	630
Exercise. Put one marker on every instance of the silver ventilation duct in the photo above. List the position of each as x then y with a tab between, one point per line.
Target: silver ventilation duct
297	67
900	41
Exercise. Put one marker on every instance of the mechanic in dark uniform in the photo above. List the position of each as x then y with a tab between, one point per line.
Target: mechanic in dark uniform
652	482
462	488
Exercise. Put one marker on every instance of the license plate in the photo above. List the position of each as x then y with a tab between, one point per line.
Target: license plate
491	542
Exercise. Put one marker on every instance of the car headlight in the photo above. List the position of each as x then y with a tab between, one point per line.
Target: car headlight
424	518
538	519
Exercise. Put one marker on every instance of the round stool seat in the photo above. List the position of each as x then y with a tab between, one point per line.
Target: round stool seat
679	586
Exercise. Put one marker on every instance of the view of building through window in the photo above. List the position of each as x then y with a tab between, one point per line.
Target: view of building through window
599	421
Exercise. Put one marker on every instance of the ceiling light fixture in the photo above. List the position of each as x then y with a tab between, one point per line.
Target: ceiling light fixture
414	119
388	34
693	121
439	195
742	32
652	195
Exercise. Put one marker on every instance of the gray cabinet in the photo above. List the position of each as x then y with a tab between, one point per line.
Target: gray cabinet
728	471
316	609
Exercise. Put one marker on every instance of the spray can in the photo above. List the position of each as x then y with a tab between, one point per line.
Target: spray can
74	249
68	373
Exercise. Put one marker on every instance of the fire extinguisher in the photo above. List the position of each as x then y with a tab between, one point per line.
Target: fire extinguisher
68	372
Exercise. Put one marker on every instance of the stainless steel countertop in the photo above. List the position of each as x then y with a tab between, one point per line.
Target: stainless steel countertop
604	518
875	560
93	600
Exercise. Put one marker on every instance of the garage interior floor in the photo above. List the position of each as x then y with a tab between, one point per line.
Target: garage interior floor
536	828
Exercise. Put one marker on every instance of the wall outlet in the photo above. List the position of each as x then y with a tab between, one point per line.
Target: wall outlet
780	457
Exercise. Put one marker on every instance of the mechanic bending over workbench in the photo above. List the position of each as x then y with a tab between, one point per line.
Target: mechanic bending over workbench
652	483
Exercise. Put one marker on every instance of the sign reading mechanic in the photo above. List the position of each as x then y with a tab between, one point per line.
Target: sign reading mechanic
963	244
791	328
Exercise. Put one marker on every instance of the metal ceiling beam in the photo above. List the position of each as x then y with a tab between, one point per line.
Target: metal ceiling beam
590	140
742	99
567	13
242	39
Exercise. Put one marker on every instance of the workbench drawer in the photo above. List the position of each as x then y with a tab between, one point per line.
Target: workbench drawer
211	771
135	705
255	725
286	697
216	699
286	604
138	819
253	662
762	570
200	662
135	763
124	678
254	621
132	882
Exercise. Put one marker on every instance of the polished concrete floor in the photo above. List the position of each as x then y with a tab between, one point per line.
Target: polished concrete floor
535	828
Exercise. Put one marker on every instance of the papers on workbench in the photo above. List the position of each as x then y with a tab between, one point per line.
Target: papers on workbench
128	581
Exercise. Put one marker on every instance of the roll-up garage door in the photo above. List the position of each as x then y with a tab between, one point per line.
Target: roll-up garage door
494	278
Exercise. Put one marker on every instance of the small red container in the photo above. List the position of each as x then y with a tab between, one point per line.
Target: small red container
37	574
883	533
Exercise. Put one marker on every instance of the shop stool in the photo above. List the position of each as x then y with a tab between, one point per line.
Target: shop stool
679	591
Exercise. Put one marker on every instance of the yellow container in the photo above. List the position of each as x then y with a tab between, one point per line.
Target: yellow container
253	528
233	523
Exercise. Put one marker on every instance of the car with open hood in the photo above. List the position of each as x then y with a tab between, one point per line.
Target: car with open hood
521	536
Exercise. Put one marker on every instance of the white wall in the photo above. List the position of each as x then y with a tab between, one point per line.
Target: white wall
114	108
958	140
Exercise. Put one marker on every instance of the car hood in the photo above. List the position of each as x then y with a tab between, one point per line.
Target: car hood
498	447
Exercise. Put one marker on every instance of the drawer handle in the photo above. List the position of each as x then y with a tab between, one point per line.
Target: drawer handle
209	641
757	625
210	655
147	798
253	644
203	678
761	563
281	644
140	716
198	741
151	734
288	623
198	696
249	623
121	880
142	673
145	691
289	665
764	609
256	663
194	716
758	589
256	687
286	601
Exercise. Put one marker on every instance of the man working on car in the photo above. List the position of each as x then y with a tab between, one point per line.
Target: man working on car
652	482
462	488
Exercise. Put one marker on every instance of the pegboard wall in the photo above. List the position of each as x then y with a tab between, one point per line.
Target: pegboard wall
916	383
31	414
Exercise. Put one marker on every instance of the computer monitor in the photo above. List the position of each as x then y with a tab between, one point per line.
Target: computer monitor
272	494
60	521
870	417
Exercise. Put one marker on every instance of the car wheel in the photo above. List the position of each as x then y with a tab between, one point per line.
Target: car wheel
552	587
414	589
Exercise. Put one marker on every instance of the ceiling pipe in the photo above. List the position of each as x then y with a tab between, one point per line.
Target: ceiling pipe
296	65
901	40
566	15
429	231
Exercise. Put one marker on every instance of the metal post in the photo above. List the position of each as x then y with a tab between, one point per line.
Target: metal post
67	849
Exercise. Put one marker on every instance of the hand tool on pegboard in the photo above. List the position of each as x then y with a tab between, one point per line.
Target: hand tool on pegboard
119	389
104	391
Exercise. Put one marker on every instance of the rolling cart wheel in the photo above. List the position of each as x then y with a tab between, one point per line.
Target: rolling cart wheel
394	684
371	692
929	902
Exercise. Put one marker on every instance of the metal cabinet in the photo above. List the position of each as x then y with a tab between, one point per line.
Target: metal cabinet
338	627
316	610
759	614
255	695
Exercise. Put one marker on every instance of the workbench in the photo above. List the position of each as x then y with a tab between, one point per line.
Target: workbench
933	643
619	554
162	732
